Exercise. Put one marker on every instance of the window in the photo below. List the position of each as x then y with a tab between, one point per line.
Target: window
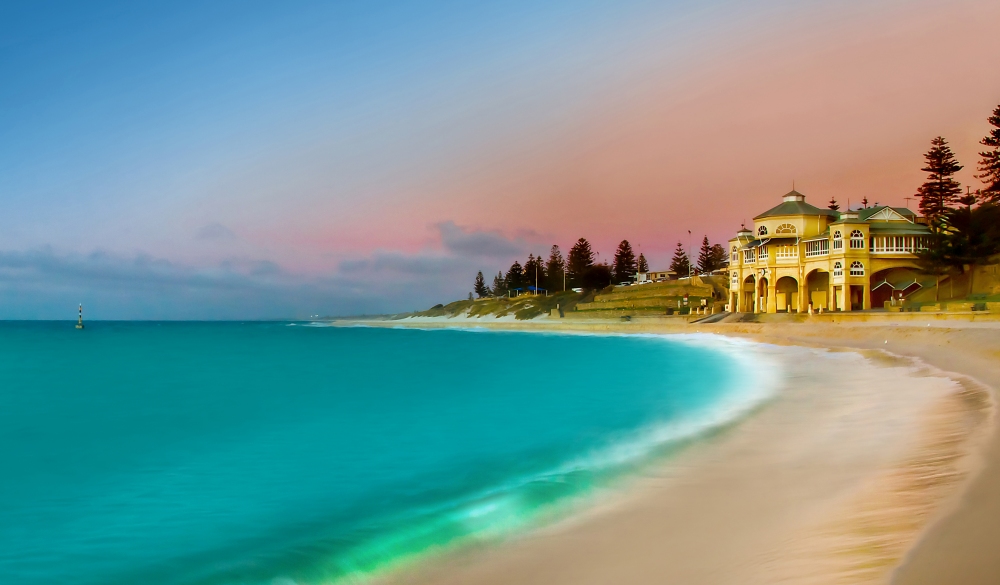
838	241
817	248
857	240
890	244
749	255
736	279
762	230
785	228
786	252
838	269
762	255
857	268
734	256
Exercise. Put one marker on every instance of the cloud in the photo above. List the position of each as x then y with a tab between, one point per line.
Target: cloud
464	241
216	232
448	270
46	284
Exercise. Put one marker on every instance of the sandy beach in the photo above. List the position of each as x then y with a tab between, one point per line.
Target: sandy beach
875	465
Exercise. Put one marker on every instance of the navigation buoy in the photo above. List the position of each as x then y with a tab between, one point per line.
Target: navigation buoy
79	321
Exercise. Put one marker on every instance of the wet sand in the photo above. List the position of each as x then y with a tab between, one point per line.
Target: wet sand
865	469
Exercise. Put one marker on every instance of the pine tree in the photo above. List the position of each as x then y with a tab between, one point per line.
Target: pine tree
833	205
940	190
554	269
624	263
480	286
989	165
515	277
581	258
680	264
718	257
534	271
499	285
705	257
643	265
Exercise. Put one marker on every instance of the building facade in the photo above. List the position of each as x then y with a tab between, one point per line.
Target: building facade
657	276
798	255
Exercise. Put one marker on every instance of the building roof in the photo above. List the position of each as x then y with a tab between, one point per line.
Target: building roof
794	204
898	228
867	212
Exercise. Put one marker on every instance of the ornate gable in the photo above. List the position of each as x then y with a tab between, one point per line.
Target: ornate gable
887	214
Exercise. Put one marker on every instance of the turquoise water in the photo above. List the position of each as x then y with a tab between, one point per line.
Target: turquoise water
224	453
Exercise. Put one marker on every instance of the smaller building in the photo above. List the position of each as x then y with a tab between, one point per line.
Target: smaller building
657	276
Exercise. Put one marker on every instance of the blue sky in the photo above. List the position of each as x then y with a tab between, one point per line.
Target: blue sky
258	160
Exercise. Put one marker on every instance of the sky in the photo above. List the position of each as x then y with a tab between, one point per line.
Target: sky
253	160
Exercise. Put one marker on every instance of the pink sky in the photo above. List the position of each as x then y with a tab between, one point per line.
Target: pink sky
642	122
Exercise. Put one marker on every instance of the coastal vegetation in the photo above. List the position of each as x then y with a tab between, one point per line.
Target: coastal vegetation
965	229
580	270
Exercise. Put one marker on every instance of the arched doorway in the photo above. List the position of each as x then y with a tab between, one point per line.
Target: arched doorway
818	289
892	285
747	294
786	294
761	296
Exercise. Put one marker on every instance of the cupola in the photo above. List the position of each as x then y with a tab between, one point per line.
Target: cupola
793	195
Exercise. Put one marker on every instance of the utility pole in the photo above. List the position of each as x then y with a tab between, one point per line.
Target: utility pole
690	266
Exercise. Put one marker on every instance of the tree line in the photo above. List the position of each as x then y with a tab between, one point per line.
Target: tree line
965	228
580	270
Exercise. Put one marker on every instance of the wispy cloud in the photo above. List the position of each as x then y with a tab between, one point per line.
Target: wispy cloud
45	283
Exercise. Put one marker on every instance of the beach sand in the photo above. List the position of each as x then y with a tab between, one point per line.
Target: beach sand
868	467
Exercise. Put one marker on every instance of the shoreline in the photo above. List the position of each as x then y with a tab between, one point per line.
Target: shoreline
900	516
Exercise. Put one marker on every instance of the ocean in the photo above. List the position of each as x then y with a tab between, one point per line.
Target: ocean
280	453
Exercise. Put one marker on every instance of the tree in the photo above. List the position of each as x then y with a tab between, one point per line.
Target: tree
515	277
973	236
719	257
705	256
989	165
554	270
480	287
940	190
643	265
833	204
499	285
581	258
597	276
624	263
534	271
968	237
680	264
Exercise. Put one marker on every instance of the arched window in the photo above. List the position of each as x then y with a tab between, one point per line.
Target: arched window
762	231
734	256
838	269
857	268
736	279
838	241
857	240
785	228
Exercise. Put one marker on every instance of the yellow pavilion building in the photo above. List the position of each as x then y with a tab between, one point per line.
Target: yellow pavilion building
798	256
